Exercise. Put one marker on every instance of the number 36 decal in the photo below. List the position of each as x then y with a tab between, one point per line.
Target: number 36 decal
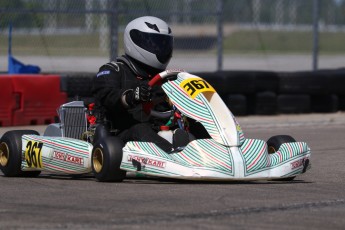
194	86
33	154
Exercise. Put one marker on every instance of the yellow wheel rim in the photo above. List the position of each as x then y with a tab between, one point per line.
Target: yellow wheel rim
97	160
4	154
271	150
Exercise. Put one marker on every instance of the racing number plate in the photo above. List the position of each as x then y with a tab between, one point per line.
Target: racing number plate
33	155
194	86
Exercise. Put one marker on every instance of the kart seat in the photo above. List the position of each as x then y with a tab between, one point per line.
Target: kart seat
181	138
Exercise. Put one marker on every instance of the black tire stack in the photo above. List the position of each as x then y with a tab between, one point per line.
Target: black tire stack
269	93
78	86
254	92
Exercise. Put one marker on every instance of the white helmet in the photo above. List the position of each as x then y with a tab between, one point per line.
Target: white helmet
149	40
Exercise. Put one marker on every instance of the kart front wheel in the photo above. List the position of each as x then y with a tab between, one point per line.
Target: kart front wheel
106	160
11	154
274	144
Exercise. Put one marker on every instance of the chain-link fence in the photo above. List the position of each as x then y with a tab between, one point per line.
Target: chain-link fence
81	35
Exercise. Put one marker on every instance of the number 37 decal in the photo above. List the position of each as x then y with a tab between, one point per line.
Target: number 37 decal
194	86
33	155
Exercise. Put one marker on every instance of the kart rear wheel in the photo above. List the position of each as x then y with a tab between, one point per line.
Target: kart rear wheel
274	144
106	160
11	153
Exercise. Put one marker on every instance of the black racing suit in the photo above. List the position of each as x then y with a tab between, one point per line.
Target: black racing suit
132	122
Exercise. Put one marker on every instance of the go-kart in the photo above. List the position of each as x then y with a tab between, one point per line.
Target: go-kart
73	146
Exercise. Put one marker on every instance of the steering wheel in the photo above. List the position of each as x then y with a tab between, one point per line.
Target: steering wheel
158	80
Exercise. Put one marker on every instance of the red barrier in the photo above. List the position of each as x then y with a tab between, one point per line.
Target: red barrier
7	100
40	96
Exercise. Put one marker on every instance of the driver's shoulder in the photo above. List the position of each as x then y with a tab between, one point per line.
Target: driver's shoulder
110	69
112	66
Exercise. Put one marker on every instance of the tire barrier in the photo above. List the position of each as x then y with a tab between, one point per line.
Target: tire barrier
77	85
246	82
341	101
324	103
257	92
8	101
293	103
265	103
231	82
33	99
36	98
304	82
237	103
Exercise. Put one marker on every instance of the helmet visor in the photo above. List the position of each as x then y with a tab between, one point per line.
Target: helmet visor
159	44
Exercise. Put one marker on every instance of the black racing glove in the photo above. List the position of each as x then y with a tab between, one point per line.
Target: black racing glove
141	93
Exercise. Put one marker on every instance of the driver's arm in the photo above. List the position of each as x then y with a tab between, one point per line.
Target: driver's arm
107	87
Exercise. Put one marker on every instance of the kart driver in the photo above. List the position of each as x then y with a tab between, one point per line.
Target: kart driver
120	87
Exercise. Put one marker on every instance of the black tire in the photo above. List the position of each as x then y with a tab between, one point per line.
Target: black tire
237	104
341	102
293	103
324	103
79	84
236	82
106	160
308	82
265	103
274	144
266	81
11	154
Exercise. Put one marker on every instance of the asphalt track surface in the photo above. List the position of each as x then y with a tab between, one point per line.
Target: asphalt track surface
315	200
